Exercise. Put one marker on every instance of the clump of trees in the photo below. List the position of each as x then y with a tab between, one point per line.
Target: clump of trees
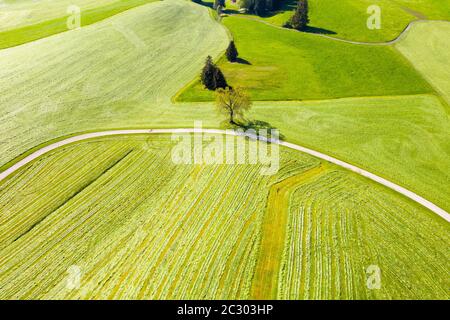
218	3
300	19
259	7
232	53
233	103
212	77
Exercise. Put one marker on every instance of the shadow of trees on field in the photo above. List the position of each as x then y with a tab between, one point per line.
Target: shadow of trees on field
316	30
243	61
285	6
258	126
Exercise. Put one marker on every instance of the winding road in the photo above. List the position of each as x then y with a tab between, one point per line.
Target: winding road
411	195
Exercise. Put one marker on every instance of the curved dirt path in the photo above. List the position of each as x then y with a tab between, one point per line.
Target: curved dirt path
411	195
387	43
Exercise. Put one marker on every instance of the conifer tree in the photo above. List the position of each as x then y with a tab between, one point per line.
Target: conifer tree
232	52
300	18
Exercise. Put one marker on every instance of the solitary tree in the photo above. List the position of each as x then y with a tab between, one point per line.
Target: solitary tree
232	52
300	18
212	77
233	103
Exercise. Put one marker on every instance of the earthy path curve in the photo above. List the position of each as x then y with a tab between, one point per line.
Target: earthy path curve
398	38
411	195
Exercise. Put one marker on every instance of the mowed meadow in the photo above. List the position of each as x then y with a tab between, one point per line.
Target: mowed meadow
29	20
120	72
137	226
173	231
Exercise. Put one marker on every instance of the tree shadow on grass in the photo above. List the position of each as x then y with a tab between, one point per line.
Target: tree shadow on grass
259	126
316	30
243	61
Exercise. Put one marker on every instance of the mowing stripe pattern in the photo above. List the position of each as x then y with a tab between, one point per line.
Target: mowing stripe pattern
139	227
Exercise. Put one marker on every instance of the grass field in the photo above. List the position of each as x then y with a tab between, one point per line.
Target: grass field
297	66
347	19
138	226
45	18
430	40
404	139
66	83
19	13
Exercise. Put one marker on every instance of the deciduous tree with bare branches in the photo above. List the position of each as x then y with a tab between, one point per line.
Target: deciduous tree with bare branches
233	102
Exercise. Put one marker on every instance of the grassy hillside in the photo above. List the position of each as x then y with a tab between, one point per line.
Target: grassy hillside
347	19
27	21
115	73
65	84
427	46
137	226
289	65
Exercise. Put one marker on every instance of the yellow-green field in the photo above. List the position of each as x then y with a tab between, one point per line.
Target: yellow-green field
137	226
133	225
427	46
19	13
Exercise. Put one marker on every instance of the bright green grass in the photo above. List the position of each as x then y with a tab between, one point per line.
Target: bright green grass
296	66
404	139
140	227
427	46
120	72
65	85
47	27
19	13
347	19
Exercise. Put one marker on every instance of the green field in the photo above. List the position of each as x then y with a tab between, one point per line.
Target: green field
139	226
347	19
15	14
66	83
430	40
404	138
297	66
31	20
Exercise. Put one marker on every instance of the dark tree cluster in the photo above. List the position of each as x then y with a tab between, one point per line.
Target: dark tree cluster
219	3
300	18
260	7
212	77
